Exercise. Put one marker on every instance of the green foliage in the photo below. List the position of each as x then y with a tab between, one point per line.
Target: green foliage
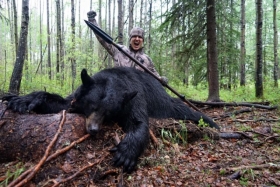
202	124
10	176
175	136
236	94
244	128
222	171
243	181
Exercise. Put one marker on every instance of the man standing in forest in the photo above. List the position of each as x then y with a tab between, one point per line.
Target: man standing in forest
135	49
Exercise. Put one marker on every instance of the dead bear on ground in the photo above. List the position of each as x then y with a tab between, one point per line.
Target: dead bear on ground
123	95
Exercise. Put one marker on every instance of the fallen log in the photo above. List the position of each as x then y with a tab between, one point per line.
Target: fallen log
221	104
26	137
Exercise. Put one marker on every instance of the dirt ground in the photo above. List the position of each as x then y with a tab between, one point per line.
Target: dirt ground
177	156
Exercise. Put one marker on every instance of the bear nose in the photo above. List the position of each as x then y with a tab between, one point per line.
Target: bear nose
93	129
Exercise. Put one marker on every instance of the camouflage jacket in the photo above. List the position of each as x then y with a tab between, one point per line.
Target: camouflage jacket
121	59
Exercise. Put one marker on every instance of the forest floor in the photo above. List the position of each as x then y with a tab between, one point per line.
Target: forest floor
177	156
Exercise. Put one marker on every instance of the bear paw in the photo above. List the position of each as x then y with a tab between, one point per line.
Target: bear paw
15	103
124	157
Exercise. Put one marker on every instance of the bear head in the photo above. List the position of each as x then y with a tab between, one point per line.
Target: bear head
101	100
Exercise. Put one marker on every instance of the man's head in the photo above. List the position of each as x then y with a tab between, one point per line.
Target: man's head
136	36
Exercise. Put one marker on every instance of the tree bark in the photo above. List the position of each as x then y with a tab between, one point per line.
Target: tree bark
100	47
26	136
41	42
49	42
18	68
130	13
150	26
10	16
15	25
58	36
90	34
242	42
275	69
109	57
73	59
120	22
259	65
141	14
61	44
212	56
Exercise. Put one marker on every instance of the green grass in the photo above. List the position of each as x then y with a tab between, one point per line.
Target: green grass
238	94
12	175
35	82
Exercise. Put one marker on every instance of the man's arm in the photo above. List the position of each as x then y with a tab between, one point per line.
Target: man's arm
110	48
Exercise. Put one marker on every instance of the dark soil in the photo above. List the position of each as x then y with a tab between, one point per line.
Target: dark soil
181	156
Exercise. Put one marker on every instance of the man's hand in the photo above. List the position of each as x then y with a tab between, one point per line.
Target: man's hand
91	14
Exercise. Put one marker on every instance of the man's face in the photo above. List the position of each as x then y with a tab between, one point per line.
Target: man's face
136	42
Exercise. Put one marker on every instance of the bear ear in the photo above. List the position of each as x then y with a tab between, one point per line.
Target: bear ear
129	96
86	79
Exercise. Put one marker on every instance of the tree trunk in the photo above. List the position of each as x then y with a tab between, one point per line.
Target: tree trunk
113	32
242	42
275	69
212	60
141	14
26	136
41	42
49	42
18	68
15	25
61	43
58	36
10	16
100	48
150	26
130	15
109	57
231	44
120	22
73	59
259	66
90	35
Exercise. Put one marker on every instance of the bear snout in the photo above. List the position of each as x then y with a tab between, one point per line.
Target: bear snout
92	131
92	123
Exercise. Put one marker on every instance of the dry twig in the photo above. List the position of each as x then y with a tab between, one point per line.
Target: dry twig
269	165
153	137
60	151
56	183
270	137
256	120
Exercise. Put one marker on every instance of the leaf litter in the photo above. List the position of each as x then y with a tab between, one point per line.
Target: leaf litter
184	155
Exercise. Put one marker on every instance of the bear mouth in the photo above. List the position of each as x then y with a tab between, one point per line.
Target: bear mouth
93	123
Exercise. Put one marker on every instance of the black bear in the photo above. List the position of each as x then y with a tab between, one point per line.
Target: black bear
123	95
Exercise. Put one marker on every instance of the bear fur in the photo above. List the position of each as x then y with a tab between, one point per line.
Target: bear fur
123	95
